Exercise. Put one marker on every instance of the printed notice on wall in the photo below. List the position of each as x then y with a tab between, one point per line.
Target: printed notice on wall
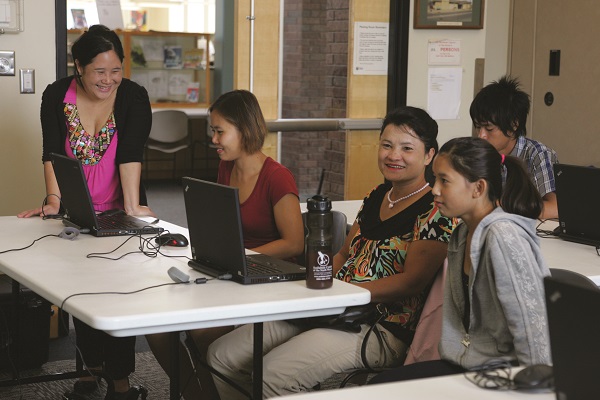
444	90
370	48
109	13
444	52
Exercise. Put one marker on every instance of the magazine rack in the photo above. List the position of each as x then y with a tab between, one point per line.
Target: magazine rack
173	66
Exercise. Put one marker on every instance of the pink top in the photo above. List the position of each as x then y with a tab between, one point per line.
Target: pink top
97	154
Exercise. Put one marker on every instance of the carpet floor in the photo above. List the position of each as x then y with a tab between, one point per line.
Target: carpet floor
148	373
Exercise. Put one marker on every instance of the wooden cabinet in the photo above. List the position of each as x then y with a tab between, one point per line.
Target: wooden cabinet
173	66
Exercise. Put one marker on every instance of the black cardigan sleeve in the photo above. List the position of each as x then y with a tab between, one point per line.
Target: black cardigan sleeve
133	116
54	128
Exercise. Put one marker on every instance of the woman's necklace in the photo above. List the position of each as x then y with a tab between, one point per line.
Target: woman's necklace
392	203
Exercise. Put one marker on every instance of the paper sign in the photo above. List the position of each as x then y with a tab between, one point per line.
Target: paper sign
370	48
109	13
444	52
444	91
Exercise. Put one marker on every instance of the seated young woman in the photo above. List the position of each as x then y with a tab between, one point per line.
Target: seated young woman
269	207
394	249
494	305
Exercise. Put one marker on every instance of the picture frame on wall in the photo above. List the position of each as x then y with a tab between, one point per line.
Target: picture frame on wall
448	14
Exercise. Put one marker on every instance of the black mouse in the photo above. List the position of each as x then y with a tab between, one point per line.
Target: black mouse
172	239
534	377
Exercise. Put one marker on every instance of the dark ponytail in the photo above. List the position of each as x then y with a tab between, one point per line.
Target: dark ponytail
475	159
520	196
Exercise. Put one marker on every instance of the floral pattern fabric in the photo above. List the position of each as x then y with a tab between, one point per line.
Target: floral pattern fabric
86	147
379	248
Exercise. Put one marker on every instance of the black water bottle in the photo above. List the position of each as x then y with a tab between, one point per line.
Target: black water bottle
318	251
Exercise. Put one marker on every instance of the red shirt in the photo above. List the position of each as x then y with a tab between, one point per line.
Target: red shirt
258	219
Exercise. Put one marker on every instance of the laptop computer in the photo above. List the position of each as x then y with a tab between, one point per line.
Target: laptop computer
217	242
576	188
79	209
574	329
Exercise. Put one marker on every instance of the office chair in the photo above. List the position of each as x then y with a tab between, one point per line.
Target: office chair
573	277
338	230
424	346
169	134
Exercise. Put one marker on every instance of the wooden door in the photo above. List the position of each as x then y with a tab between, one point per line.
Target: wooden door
570	123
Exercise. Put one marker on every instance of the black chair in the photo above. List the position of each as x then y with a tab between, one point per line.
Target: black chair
338	230
573	277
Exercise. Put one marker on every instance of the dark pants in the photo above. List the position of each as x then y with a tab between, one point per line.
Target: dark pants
426	369
99	349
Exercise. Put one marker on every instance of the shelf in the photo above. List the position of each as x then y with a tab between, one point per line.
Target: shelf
145	56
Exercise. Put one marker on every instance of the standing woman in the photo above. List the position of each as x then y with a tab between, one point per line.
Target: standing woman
103	120
269	207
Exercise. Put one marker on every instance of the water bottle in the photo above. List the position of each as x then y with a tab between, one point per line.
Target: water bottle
318	251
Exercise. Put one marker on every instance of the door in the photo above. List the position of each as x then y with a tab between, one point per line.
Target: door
565	113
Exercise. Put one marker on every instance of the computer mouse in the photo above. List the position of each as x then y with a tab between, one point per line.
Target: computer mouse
172	239
534	377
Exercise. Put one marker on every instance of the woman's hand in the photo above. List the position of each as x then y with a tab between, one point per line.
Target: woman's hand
140	211
48	209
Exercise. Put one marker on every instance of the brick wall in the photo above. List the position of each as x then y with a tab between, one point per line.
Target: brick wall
315	66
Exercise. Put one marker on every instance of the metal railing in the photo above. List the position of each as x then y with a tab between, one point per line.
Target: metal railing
323	124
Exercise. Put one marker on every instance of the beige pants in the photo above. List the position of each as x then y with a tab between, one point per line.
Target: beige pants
295	360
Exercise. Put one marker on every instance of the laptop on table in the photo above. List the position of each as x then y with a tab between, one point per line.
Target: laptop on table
574	329
217	242
79	209
577	190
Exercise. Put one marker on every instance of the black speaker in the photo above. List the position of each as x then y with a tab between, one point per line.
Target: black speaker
24	327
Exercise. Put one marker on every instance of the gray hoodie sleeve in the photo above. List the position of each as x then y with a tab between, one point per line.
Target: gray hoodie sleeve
519	271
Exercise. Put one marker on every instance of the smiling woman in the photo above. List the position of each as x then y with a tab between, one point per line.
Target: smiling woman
102	120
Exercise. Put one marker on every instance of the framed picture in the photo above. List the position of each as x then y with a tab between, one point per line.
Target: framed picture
79	21
448	14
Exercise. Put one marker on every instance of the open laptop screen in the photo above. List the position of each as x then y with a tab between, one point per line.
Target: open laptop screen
577	189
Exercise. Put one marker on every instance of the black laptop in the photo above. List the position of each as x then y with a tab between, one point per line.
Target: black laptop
79	209
574	329
577	190
217	242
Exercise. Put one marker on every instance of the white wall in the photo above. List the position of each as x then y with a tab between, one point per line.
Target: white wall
20	133
490	43
20	152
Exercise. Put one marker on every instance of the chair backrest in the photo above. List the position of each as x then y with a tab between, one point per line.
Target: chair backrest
169	126
573	277
339	229
424	346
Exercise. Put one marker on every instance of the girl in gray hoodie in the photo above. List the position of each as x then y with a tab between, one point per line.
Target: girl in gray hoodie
494	307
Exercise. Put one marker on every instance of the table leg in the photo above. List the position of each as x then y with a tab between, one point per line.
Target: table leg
257	378
174	382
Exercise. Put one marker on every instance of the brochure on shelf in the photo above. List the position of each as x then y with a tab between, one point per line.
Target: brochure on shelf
173	57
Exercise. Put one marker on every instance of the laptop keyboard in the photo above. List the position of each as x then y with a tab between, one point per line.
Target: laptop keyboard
255	268
115	222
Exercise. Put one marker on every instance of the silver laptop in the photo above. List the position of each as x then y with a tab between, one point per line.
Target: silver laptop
79	209
577	190
217	242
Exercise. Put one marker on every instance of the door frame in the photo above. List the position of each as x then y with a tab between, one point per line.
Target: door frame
60	34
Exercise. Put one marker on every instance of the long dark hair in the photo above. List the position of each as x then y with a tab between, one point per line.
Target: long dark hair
475	159
98	39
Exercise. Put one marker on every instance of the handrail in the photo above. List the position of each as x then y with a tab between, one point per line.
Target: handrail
323	124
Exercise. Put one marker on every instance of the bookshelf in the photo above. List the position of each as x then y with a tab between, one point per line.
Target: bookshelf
173	66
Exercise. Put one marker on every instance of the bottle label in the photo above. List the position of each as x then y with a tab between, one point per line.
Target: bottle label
320	269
